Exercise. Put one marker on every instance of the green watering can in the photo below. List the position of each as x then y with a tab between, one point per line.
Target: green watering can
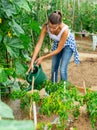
39	77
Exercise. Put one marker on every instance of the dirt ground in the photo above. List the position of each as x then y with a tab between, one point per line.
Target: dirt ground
86	71
83	74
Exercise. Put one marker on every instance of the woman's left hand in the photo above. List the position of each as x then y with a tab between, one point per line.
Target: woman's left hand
39	60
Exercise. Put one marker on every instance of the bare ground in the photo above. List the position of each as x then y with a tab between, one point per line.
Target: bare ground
85	72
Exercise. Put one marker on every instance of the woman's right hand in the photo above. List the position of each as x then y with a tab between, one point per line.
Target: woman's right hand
30	67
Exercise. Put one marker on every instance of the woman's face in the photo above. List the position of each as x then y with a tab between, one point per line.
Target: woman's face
53	27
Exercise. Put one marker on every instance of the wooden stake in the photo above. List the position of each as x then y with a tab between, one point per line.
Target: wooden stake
35	115
84	86
34	106
30	114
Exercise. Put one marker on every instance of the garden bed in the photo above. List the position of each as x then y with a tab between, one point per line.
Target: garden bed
83	74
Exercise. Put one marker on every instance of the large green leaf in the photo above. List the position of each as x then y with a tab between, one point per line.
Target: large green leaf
3	75
16	28
9	71
20	69
8	83
13	52
23	4
13	45
15	42
8	7
5	111
16	125
12	42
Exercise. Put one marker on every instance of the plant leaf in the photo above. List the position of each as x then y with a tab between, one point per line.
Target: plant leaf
13	52
3	75
8	7
20	69
23	4
16	125
5	111
16	43
16	28
9	71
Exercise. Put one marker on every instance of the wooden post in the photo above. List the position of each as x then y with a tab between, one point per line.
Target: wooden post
84	87
34	106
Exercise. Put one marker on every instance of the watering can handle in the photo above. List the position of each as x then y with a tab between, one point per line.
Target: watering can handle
35	64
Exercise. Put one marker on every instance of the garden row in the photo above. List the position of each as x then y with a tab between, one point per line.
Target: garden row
63	100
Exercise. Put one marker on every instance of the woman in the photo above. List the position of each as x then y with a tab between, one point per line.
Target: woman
63	48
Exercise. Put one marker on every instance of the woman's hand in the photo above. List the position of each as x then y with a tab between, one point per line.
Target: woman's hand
39	60
30	67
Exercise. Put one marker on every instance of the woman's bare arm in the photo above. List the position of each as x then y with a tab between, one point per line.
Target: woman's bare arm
38	46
